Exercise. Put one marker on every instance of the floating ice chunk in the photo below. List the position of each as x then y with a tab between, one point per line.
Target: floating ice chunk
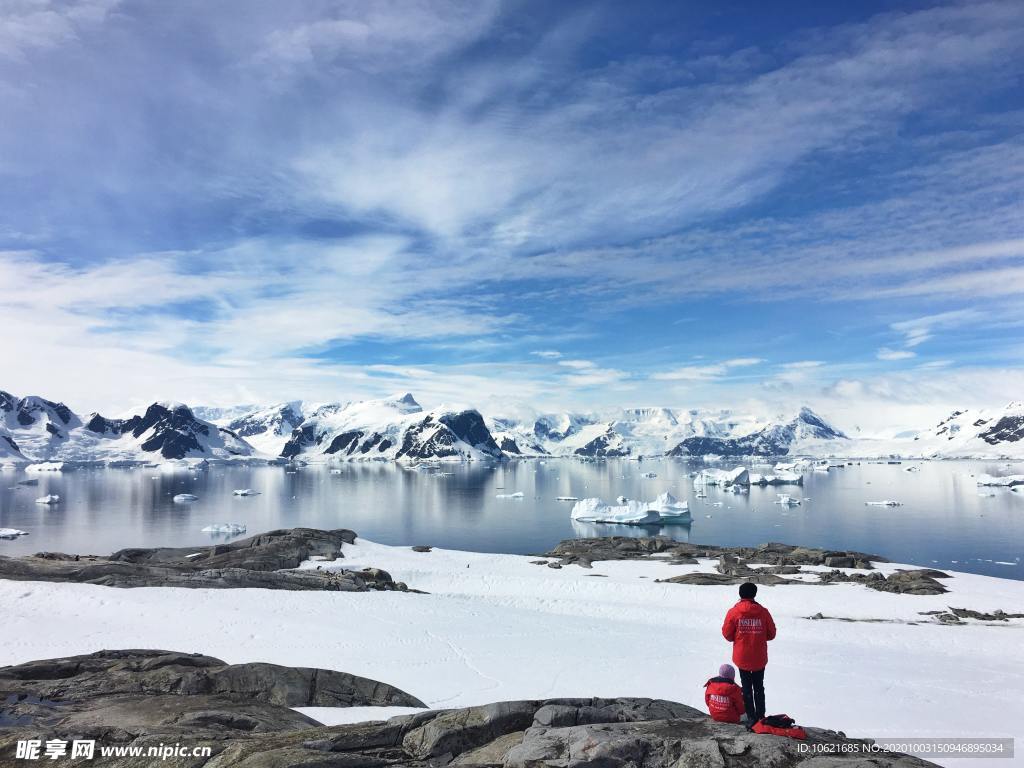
245	492
46	466
987	494
722	477
664	509
621	499
648	474
669	507
567	498
232	528
1005	480
883	503
631	513
335	471
50	498
787	501
11	533
184	498
516	495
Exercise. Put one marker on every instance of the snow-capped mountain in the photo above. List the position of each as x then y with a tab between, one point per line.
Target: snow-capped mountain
398	428
43	430
627	432
990	432
805	433
392	428
267	429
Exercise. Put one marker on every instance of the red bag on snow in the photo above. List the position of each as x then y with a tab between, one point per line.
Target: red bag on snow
779	725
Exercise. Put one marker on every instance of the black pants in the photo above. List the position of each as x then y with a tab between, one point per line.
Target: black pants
753	693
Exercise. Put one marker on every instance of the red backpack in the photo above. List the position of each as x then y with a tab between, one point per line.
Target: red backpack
779	725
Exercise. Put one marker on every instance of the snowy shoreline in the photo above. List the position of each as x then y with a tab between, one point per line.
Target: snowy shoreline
496	627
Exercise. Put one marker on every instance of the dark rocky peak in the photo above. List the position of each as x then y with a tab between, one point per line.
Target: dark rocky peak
7	401
31	409
104	426
408	399
173	416
174	430
469	427
818	426
281	419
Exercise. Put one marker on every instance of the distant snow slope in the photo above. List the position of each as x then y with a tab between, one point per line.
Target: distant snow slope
392	428
44	430
267	429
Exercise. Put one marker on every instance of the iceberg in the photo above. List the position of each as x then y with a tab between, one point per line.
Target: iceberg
722	477
567	498
781	478
245	492
516	495
594	510
670	508
231	528
50	498
11	533
648	474
665	509
787	501
883	503
184	498
1004	481
46	466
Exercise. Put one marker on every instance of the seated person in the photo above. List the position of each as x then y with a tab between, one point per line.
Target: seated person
723	697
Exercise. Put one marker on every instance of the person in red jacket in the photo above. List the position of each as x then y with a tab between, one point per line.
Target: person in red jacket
723	696
749	627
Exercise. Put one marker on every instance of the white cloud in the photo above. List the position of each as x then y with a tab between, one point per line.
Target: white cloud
705	372
547	354
884	353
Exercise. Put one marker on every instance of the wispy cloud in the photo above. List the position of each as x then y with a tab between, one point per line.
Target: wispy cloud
887	354
345	196
706	372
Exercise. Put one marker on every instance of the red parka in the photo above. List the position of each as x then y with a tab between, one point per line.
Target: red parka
724	699
749	627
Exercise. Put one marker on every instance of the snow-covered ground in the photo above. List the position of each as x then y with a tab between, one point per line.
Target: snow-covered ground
496	627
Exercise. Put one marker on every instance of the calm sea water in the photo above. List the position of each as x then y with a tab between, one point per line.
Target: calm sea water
943	520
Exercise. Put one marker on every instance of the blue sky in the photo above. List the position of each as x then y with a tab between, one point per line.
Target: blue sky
568	205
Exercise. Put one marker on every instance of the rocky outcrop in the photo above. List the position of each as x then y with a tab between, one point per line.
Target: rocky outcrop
144	697
774	563
264	561
920	581
555	733
585	551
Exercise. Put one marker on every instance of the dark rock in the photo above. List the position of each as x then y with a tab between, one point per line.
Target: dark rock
149	673
996	615
264	561
840	561
143	698
422	548
573	551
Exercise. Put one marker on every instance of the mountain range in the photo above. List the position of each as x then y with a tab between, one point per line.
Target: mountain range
34	429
